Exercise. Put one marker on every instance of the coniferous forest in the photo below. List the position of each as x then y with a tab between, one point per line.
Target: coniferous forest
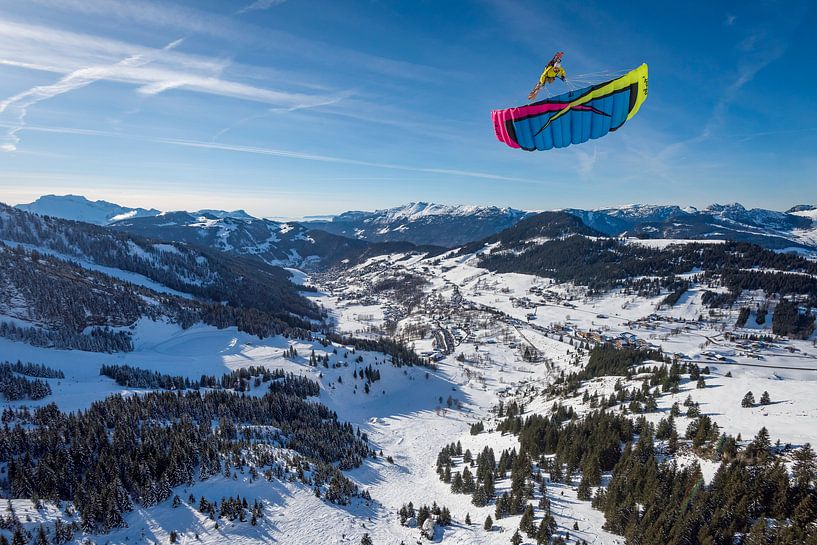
134	450
761	494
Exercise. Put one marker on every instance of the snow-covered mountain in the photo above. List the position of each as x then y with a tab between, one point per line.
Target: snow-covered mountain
68	275
424	223
274	242
421	223
287	244
795	228
77	207
124	338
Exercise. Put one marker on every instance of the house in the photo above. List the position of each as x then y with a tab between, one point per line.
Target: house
427	530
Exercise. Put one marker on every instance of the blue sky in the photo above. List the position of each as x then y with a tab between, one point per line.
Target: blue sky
296	107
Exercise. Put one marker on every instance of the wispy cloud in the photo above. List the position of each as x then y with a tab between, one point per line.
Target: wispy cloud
77	79
260	5
235	30
586	161
273	152
757	52
528	23
150	13
288	154
730	19
749	66
271	111
83	59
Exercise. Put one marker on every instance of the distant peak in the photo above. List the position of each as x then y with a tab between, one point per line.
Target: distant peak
735	206
222	214
79	208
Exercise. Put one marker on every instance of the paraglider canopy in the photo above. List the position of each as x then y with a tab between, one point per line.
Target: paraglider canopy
573	117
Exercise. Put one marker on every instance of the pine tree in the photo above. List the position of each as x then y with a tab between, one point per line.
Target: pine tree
42	537
748	400
480	498
765	399
805	467
758	534
805	512
489	523
584	493
526	523
516	539
18	538
456	483
467	481
366	540
444	518
760	445
468	519
556	472
546	528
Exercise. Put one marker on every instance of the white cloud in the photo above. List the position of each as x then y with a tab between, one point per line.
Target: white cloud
260	5
21	102
233	30
153	14
586	161
331	159
328	102
83	59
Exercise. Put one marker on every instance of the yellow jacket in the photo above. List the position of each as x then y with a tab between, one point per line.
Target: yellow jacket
552	72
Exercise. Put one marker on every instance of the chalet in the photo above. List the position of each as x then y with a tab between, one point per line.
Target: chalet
427	530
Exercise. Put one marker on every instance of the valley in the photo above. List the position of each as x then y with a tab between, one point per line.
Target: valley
485	344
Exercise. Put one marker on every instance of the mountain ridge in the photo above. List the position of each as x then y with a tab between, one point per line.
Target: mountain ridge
424	223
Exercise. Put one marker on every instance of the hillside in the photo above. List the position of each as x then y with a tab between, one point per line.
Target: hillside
278	244
215	276
523	365
50	302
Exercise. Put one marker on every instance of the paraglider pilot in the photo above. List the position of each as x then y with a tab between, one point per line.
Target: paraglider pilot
552	71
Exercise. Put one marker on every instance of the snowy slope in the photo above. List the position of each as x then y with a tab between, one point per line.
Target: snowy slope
481	326
424	223
407	414
77	207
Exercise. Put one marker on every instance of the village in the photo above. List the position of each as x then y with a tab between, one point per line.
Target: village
442	307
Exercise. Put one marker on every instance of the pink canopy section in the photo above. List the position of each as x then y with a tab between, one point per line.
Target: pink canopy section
500	119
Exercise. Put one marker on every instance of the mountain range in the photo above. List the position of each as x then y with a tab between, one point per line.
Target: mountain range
423	223
794	228
353	234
